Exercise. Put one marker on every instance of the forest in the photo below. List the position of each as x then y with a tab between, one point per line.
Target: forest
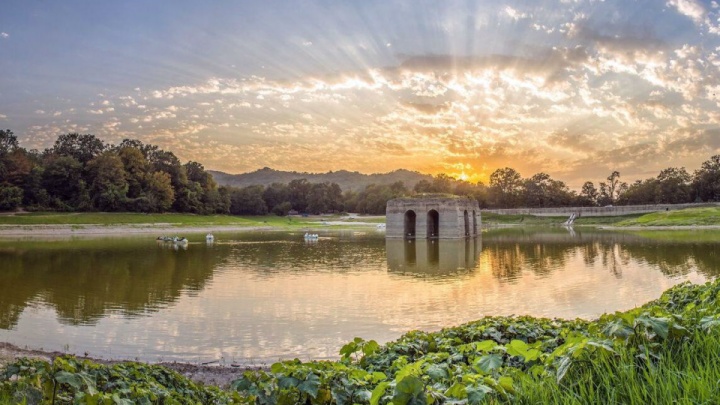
83	173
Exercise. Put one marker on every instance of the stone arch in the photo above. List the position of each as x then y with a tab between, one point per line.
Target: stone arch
410	218
466	220
475	232
433	224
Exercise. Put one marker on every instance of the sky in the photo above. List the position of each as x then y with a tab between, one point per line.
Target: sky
573	88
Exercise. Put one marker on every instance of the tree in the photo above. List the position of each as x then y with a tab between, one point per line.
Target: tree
276	194
62	178
108	185
81	147
159	192
10	197
8	141
706	180
588	195
673	186
298	191
506	186
136	169
247	201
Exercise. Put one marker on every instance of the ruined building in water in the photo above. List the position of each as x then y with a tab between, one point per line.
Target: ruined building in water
427	217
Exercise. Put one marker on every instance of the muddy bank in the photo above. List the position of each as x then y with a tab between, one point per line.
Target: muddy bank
210	374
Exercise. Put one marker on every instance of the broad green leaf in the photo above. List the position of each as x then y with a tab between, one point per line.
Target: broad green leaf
436	372
709	322
660	326
287	382
618	329
458	391
348	349
506	383
476	395
71	379
489	362
370	347
485	345
517	348
310	385
377	376
409	390
378	393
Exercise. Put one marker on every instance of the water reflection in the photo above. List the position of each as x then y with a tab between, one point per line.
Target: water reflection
269	295
510	252
85	280
432	258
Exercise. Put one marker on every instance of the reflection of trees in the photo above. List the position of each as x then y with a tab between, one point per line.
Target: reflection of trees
84	280
509	252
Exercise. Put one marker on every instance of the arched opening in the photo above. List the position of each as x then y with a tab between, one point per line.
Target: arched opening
410	224
466	217
474	223
433	224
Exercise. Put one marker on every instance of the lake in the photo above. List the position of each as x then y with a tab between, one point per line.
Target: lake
254	298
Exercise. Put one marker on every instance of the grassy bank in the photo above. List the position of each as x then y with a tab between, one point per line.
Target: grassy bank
491	219
687	217
662	352
172	219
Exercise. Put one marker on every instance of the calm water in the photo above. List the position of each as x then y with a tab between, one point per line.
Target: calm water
259	297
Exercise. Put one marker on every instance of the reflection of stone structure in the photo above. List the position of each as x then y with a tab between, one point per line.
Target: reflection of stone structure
440	217
432	257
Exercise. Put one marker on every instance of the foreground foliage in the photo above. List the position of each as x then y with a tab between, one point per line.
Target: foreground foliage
662	352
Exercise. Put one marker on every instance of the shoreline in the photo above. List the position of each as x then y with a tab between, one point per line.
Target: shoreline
65	230
218	375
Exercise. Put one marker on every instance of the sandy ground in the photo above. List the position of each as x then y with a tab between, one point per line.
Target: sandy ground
217	375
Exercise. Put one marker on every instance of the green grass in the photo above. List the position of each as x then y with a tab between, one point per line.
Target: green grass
492	219
686	217
77	220
686	373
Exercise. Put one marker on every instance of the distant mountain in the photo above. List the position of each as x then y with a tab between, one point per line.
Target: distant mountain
346	180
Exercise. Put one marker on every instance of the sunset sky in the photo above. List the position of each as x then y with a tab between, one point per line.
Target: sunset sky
574	88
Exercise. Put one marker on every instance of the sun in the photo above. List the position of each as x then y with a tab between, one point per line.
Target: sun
463	176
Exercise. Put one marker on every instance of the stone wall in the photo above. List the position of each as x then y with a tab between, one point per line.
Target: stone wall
450	218
598	211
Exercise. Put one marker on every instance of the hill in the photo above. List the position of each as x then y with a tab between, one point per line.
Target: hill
345	179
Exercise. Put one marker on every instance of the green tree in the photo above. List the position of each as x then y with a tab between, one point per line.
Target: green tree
81	147
588	195
506	187
108	185
276	194
673	186
706	180
10	197
247	201
159	192
62	178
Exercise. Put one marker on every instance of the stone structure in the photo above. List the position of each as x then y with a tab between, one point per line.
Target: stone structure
430	217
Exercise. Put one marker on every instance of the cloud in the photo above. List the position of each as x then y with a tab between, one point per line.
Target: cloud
514	14
690	8
4	35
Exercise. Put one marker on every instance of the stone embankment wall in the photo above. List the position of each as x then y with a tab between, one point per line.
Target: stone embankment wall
432	217
598	211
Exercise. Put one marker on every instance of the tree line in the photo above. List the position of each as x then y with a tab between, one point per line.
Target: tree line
83	173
